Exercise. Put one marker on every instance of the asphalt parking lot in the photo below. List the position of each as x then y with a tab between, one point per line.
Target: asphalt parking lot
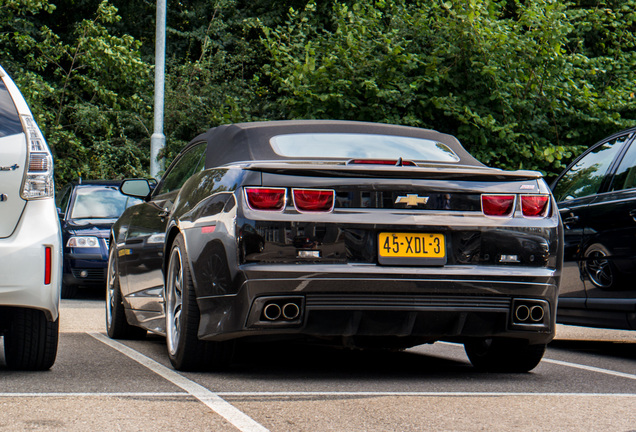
587	381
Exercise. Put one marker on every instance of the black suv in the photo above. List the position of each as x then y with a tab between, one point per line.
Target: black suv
596	196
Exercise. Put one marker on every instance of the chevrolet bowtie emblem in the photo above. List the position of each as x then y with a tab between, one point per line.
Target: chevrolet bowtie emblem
411	200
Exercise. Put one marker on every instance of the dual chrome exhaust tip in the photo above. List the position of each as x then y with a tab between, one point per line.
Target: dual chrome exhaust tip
275	311
525	313
530	312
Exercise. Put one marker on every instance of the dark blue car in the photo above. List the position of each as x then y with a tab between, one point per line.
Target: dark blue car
87	210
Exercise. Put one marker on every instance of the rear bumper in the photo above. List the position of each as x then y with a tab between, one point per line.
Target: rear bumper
409	303
22	260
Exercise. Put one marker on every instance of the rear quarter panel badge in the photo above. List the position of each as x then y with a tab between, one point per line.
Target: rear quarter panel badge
9	168
3	197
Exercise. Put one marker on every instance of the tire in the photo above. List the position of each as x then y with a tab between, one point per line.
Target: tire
504	355
185	350
69	291
117	325
31	340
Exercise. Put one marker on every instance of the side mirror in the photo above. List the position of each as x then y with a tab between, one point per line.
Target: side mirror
138	188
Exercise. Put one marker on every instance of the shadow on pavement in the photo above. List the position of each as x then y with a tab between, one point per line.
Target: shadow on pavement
90	294
624	350
296	360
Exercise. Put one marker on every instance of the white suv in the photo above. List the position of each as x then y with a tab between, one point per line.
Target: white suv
30	239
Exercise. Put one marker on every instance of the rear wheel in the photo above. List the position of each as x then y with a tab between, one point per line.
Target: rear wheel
31	340
504	355
185	349
117	326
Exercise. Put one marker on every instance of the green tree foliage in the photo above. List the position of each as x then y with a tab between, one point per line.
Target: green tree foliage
524	84
214	66
86	86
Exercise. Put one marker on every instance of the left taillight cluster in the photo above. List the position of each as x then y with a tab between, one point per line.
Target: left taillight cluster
304	200
503	205
38	177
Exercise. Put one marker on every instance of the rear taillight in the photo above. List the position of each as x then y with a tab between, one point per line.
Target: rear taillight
313	200
38	162
497	205
38	177
47	265
534	205
268	199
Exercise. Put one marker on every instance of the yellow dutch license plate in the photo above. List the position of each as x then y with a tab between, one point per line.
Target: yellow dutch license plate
411	248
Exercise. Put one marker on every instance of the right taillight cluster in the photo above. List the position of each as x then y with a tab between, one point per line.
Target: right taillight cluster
305	200
503	205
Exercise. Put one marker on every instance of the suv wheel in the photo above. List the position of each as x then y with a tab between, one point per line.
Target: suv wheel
598	266
31	340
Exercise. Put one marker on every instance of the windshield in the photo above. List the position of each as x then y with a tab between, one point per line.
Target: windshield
100	202
361	146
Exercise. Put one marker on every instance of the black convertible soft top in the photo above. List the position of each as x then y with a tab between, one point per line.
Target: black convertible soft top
246	142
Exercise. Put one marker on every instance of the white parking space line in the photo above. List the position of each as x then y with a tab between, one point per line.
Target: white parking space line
320	393
590	368
237	418
421	394
100	394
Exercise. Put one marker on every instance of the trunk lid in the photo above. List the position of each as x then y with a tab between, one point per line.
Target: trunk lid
430	188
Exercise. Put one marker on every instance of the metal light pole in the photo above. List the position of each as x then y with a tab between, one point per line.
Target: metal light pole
158	139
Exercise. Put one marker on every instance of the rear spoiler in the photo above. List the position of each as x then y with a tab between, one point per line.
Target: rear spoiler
436	172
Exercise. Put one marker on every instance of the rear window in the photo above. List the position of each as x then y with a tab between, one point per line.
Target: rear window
361	146
9	118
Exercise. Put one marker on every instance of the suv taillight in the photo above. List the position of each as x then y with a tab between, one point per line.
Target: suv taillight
38	176
314	200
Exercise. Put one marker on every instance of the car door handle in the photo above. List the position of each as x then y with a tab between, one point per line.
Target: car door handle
164	213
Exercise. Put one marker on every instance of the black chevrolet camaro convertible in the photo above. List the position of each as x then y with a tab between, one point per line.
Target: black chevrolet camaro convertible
357	234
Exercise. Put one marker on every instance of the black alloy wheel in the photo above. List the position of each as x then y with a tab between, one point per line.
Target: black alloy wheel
598	267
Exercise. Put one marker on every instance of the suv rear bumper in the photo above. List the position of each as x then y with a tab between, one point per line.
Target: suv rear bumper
22	260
